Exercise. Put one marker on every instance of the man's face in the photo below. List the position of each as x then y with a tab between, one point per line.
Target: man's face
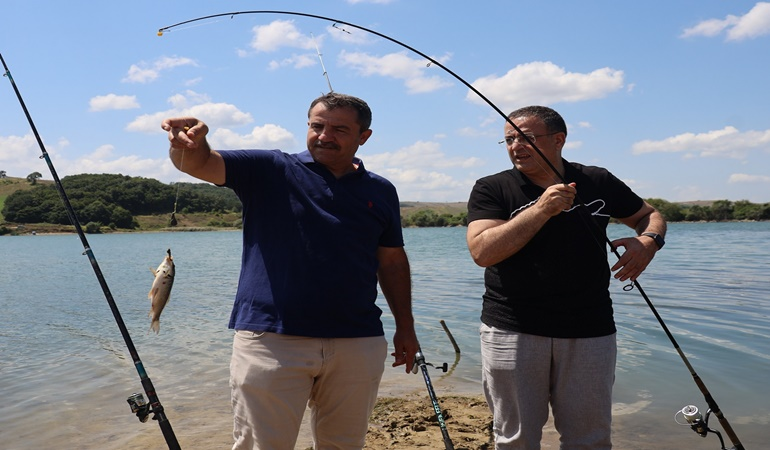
333	137
523	156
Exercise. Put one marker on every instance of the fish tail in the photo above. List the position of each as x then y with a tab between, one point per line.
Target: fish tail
155	326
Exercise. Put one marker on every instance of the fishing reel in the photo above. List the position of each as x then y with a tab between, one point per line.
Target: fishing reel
419	359
139	406
698	423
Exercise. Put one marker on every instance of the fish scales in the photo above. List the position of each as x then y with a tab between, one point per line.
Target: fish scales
161	289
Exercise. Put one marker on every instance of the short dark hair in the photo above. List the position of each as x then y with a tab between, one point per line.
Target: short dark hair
553	121
334	100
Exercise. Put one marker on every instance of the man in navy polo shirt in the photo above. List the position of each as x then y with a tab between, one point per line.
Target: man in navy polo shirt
319	233
547	332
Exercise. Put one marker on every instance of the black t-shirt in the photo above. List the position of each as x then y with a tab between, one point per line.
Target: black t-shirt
557	284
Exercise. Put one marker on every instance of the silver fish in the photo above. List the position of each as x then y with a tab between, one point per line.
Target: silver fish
161	289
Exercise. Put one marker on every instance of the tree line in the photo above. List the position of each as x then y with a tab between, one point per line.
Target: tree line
717	211
114	200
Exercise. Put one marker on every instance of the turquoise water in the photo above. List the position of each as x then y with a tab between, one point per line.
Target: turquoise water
64	361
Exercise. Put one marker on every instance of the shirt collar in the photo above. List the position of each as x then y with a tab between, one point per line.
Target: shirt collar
306	158
568	173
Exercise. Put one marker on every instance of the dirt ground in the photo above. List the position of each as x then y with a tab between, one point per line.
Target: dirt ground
410	422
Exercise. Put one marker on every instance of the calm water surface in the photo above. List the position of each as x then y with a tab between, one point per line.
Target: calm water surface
64	362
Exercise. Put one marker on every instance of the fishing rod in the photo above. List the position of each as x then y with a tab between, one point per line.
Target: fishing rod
136	401
701	385
419	361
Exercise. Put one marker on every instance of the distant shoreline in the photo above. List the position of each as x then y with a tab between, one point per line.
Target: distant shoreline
47	229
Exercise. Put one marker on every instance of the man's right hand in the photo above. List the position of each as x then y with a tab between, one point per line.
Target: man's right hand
185	132
557	198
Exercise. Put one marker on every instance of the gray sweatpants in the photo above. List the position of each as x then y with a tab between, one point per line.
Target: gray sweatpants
522	374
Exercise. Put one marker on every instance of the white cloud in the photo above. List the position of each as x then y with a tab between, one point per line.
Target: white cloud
196	105
103	160
399	66
753	24
140	74
283	33
19	158
266	137
423	171
144	72
16	149
710	28
746	178
20	155
728	142
423	154
278	34
188	99
545	83
296	61
112	101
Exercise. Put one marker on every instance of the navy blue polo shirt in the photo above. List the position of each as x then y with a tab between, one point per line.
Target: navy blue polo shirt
310	240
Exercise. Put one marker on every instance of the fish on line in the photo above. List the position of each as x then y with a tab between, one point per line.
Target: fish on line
161	289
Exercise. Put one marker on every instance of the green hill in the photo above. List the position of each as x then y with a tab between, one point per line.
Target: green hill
9	185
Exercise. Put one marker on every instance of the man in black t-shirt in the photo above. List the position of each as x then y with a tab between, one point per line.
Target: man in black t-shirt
547	332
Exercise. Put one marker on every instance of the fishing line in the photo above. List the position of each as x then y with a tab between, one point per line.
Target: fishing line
173	221
707	395
136	401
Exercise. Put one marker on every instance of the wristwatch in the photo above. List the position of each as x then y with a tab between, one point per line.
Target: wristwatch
659	241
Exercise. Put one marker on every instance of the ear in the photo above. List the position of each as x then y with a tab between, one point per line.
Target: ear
559	139
364	137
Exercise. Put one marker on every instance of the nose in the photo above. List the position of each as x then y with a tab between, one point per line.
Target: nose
325	134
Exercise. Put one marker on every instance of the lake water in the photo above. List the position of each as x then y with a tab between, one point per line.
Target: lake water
65	372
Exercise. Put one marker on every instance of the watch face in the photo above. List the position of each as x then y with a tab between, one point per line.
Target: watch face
659	241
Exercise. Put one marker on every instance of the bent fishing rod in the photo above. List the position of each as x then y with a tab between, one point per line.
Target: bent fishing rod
713	407
136	401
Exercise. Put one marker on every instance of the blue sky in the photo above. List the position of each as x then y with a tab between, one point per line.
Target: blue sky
672	97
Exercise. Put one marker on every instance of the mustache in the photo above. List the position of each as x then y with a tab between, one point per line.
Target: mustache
330	145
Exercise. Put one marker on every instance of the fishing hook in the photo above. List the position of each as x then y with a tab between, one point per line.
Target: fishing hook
707	395
154	405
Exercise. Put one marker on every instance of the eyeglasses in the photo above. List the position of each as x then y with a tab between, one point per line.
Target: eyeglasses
509	140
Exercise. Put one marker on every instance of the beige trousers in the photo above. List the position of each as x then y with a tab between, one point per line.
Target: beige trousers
274	377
